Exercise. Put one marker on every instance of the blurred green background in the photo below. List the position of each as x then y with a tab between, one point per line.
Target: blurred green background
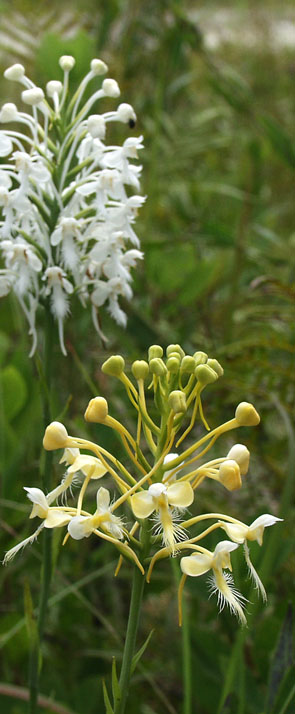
213	87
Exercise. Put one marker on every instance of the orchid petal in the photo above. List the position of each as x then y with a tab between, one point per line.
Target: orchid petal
56	518
142	504
102	499
180	494
196	564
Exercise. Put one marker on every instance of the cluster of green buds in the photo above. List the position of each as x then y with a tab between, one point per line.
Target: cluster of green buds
157	484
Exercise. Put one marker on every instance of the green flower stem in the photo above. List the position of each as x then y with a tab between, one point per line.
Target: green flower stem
45	472
186	649
138	584
186	661
132	627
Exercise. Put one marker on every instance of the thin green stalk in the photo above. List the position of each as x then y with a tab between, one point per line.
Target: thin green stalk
45	472
132	627
186	649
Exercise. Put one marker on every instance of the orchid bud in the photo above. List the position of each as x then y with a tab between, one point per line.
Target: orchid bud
140	369
205	375
229	475
97	410
15	72
200	358
155	351
98	66
177	401
67	62
246	414
33	96
214	364
111	88
55	437
158	367
114	366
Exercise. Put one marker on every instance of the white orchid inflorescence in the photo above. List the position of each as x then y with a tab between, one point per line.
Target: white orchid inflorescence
161	485
68	200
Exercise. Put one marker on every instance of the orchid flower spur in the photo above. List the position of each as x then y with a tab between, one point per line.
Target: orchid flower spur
148	520
66	213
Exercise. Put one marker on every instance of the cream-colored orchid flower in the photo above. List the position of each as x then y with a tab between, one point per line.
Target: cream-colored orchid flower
90	466
220	583
159	497
240	533
52	517
82	526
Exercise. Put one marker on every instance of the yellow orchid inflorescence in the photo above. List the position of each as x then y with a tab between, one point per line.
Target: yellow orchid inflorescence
159	483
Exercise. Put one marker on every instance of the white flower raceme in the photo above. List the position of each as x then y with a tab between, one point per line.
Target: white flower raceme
159	497
82	526
220	583
240	533
66	213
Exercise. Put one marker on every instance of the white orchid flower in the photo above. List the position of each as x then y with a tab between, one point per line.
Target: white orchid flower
241	533
82	526
221	583
52	516
90	466
159	497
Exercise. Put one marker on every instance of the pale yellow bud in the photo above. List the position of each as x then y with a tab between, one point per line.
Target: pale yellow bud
55	437
114	366
214	364
155	351
177	401
205	375
229	475
158	367
172	364
140	369
188	364
97	410
241	455
174	348
200	358
246	414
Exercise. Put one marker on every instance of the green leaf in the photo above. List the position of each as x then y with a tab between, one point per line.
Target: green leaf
108	706
282	663
138	655
13	391
279	139
4	346
286	694
115	683
53	46
206	274
30	618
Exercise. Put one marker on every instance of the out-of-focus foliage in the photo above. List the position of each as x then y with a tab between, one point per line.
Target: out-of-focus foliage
218	276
